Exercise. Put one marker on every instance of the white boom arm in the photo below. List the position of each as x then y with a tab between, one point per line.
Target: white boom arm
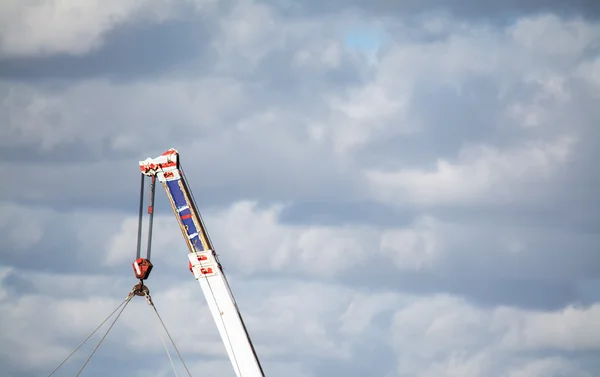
205	265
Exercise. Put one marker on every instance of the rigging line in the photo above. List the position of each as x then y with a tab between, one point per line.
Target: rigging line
151	303
140	219
127	301
89	336
166	347
151	219
169	355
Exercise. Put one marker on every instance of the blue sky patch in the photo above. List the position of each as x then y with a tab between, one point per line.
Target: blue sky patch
364	40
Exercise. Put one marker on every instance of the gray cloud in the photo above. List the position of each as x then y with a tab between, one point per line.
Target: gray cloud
469	9
440	197
130	52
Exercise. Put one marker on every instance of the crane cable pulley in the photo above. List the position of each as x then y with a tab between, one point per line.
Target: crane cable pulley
142	266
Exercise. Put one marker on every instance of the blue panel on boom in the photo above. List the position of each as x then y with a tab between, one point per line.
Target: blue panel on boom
179	200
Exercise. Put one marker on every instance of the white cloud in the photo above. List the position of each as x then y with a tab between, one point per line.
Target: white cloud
367	114
253	241
254	29
30	28
250	31
34	233
381	108
481	173
414	248
302	311
322	56
15	219
446	336
359	318
439	335
550	366
572	328
51	119
22	322
4	271
552	36
255	149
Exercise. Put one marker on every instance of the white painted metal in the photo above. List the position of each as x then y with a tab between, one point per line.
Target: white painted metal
226	316
207	270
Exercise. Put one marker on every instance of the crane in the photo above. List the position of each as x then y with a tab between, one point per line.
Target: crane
203	261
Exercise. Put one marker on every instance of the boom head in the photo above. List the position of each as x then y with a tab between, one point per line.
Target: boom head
204	263
165	167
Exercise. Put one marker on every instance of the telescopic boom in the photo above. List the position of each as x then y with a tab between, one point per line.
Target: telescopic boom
204	263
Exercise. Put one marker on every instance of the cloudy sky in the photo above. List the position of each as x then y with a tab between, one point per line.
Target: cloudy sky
395	188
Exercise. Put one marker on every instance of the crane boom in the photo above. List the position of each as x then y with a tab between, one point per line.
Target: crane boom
204	264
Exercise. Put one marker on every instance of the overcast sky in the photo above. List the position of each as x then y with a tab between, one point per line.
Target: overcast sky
395	188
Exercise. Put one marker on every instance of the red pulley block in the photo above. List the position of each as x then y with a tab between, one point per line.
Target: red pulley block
142	268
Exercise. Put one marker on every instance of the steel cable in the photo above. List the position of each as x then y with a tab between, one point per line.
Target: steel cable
93	332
